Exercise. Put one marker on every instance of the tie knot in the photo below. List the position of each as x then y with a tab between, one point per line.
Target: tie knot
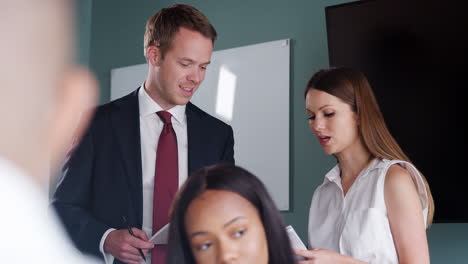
164	116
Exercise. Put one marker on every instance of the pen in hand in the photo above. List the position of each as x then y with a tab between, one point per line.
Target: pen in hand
131	233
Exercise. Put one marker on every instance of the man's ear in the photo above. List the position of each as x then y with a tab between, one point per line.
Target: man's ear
154	55
74	107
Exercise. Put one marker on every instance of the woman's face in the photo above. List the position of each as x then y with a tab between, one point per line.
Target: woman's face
332	121
224	227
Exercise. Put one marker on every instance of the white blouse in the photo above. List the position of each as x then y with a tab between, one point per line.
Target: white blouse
357	224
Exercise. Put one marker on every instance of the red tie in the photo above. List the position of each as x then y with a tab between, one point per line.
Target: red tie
166	180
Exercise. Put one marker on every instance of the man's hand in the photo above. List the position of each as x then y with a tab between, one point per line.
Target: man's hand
125	247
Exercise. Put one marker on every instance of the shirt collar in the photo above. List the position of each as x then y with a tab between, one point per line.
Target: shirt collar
334	174
149	107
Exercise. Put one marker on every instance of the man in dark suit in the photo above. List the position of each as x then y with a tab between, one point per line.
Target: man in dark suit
140	148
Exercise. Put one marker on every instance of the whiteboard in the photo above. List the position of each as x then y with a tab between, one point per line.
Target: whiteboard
248	88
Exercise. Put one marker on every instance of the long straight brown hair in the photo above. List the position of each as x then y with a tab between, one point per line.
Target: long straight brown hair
353	88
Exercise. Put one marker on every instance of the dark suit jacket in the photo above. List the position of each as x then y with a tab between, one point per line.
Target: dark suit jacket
102	181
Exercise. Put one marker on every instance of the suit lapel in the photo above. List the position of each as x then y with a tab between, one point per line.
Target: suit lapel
126	126
194	137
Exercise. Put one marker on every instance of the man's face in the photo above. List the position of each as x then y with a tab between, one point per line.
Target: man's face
178	75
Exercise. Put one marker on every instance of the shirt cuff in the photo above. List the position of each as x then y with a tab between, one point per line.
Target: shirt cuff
108	258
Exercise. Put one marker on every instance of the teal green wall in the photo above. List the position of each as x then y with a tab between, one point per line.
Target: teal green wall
448	243
83	29
116	40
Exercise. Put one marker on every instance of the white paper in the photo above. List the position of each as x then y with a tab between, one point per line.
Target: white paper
161	237
296	242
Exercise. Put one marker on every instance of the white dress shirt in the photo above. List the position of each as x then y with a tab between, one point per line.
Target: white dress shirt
30	232
150	129
357	224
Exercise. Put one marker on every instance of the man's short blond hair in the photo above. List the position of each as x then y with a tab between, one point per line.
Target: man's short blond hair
162	26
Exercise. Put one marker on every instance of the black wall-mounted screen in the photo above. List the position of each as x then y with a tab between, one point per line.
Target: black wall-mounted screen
414	54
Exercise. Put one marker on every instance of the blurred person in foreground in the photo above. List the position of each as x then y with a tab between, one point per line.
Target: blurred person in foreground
42	99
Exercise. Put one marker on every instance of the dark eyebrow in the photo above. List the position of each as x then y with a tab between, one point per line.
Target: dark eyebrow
233	220
198	233
323	106
224	226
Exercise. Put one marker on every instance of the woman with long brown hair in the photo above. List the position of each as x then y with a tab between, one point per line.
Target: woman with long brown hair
374	205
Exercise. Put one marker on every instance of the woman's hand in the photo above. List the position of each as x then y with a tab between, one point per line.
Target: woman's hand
323	256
